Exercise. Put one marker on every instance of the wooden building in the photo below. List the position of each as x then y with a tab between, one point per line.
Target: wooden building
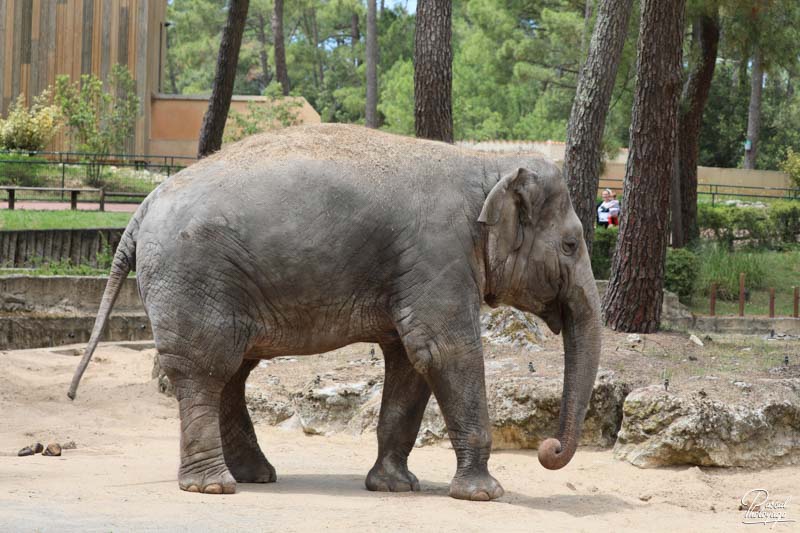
42	39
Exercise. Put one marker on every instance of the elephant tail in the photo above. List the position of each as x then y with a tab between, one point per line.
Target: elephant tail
124	261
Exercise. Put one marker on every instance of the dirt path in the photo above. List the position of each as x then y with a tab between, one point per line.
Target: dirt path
122	474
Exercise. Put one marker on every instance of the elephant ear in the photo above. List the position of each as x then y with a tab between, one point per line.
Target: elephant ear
503	211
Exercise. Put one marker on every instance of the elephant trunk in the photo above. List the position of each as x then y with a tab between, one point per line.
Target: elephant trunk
581	334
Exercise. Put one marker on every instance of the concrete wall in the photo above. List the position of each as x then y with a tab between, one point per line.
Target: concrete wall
177	119
79	294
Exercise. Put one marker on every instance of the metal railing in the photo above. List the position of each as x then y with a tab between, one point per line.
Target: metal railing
36	175
718	191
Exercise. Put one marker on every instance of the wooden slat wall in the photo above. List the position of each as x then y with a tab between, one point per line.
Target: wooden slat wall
27	248
42	39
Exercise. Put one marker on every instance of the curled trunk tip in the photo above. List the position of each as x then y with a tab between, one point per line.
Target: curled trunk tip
552	456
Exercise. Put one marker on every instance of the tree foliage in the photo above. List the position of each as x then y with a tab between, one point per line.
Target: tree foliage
515	67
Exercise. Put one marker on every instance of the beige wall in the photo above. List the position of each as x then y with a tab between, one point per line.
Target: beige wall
176	121
615	172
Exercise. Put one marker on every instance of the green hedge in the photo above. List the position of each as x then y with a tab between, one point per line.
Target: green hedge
681	272
774	227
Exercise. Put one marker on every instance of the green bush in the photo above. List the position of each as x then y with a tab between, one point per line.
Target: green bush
22	170
771	227
29	128
680	274
277	112
99	121
785	219
605	240
791	165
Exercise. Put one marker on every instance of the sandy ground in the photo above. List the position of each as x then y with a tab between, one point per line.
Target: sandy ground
122	474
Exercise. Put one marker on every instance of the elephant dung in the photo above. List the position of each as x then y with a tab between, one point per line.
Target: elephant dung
661	428
53	450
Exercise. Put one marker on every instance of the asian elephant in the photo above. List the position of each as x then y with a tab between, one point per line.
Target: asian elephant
311	238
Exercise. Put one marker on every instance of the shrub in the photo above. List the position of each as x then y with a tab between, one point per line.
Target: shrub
605	240
791	165
30	128
99	121
785	219
277	112
761	227
680	273
22	170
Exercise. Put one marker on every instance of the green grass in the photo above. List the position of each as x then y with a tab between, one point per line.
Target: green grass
29	219
763	270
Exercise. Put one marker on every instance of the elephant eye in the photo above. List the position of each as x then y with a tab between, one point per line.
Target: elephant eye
569	245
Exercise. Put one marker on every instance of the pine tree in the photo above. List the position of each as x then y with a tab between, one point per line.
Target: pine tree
633	299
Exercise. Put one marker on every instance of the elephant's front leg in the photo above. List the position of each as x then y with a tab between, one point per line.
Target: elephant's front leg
452	361
405	395
459	386
239	443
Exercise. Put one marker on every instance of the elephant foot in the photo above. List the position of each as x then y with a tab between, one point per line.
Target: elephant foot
477	487
386	476
257	470
211	481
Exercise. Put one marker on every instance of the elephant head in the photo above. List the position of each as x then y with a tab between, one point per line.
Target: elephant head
537	261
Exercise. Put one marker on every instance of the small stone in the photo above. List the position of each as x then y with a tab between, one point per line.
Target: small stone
692	358
570	486
69	445
696	340
37	448
633	339
53	450
646	497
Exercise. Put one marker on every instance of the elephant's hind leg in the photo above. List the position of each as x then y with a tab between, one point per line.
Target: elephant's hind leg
405	395
203	467
239	443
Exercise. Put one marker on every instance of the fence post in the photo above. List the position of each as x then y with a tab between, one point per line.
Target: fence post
741	294
103	199
713	310
796	301
63	174
772	302
11	193
73	200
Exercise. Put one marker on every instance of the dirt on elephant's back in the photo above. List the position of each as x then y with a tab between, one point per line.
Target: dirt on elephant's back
363	147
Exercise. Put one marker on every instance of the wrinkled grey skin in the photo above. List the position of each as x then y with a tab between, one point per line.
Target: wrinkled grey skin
264	250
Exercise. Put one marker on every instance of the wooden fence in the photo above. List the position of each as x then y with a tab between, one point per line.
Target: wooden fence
29	248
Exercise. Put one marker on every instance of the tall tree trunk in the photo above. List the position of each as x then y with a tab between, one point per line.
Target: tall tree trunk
222	90
355	37
635	291
754	111
371	119
261	35
170	65
317	53
280	47
705	39
433	71
582	156
587	19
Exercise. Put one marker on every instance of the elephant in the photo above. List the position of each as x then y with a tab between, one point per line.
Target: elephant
311	238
